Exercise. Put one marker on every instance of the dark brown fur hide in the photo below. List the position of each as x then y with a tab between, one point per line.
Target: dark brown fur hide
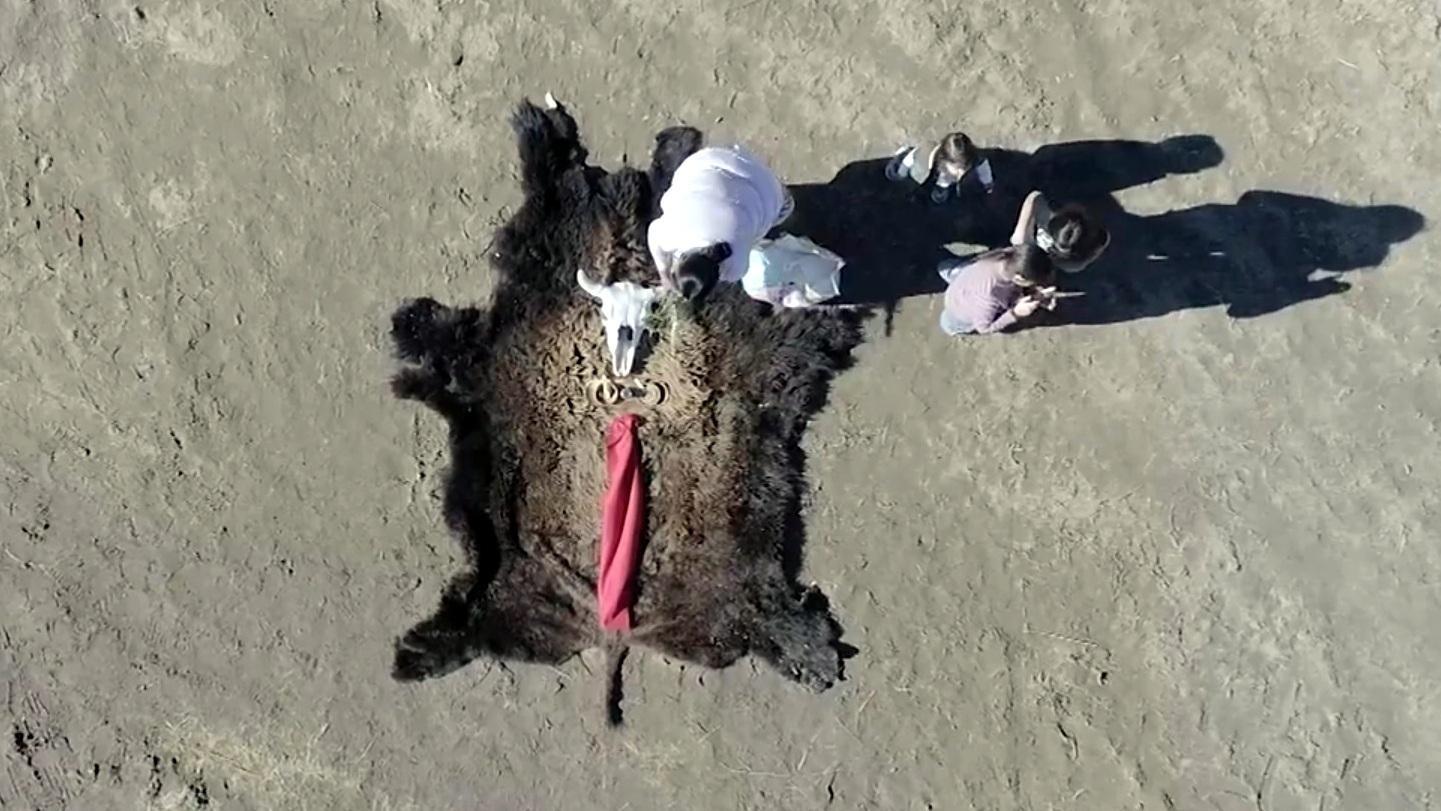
721	454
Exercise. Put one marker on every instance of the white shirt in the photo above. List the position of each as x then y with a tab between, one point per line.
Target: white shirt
718	194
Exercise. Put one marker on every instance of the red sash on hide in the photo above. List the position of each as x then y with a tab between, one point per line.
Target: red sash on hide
622	518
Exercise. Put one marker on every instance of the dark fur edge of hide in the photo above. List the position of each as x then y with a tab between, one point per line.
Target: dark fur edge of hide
784	359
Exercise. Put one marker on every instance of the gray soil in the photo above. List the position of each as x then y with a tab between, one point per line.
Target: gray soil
1182	561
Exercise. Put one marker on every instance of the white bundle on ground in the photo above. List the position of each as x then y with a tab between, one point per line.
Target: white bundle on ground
792	271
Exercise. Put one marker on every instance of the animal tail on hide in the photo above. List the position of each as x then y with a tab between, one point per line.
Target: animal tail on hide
615	653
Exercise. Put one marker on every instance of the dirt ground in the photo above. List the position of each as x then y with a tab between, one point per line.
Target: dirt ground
1180	556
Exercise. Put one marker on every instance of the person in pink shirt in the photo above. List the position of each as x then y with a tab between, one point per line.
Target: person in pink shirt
996	289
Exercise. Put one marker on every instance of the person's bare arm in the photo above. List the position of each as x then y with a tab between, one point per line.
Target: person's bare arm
1026	223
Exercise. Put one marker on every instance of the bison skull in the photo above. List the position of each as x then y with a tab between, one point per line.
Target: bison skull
623	307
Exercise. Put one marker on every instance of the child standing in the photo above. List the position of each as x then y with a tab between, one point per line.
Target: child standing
945	163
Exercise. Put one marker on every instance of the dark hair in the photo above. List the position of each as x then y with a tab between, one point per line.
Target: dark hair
1031	264
697	272
1075	234
956	148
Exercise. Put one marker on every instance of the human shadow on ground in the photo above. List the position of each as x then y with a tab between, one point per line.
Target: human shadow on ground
892	236
1267	251
1256	256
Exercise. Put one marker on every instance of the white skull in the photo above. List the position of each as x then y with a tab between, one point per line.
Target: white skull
623	307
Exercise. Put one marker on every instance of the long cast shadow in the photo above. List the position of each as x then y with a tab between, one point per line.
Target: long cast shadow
892	236
1265	252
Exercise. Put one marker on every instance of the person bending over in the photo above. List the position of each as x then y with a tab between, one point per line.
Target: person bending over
721	201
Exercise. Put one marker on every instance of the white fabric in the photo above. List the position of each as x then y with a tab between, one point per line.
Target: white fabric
792	272
719	194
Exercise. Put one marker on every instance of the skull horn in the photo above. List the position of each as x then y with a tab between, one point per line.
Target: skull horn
595	289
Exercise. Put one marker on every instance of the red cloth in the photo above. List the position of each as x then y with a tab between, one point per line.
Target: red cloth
622	517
